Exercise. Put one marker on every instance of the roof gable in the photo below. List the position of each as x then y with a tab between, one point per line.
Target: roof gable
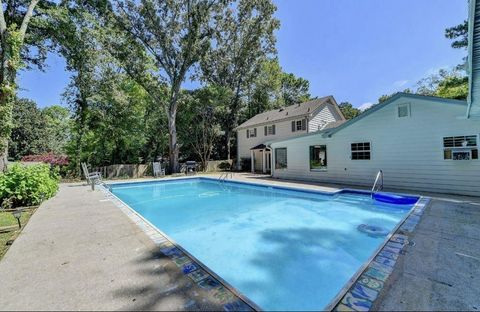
292	111
334	127
391	100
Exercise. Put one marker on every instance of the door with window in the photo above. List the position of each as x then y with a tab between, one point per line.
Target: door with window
268	161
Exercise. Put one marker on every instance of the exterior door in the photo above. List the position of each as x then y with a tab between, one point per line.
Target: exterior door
268	163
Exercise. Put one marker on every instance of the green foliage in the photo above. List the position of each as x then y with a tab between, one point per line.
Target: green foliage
294	89
19	49
201	118
348	110
38	131
27	185
244	39
459	35
452	84
27	130
274	88
386	97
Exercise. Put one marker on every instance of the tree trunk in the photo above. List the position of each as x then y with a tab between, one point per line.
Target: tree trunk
4	158
228	138
172	140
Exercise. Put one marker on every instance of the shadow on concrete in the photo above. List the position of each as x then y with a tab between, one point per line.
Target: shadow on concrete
163	286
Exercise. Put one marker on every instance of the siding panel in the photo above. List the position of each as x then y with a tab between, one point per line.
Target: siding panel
409	150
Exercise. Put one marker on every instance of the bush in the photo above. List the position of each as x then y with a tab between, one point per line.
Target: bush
27	185
60	162
50	158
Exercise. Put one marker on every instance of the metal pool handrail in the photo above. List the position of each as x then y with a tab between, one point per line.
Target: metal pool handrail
224	176
378	179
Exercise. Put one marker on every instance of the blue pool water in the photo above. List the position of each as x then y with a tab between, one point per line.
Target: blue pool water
283	249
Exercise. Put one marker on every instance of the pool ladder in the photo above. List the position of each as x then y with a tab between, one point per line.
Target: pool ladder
378	185
225	176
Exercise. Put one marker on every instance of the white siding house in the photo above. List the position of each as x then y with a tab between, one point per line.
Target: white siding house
420	143
283	123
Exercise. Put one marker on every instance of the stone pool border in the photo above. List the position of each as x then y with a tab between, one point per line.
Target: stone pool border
217	288
359	292
363	288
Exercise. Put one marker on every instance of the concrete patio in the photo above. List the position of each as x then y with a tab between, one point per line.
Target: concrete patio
81	252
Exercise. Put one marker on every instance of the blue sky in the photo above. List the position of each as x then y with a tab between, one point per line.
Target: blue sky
355	50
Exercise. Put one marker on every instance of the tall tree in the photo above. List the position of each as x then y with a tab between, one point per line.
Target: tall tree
57	128
348	110
459	35
294	89
274	88
244	38
176	33
451	84
16	47
266	89
201	120
74	25
27	130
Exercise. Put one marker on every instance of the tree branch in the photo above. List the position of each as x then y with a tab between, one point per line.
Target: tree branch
26	18
3	25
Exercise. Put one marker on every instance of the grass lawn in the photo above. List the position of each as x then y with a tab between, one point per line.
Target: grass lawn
7	219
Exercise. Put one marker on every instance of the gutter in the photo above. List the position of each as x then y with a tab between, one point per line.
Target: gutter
471	26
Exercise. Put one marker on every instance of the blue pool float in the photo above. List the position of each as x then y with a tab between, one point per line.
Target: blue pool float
372	230
395	199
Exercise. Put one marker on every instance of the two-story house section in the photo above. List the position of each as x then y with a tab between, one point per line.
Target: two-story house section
282	123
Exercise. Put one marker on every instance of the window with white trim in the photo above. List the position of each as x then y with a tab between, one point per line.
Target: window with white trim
269	130
251	133
281	158
318	157
299	125
403	110
360	151
464	147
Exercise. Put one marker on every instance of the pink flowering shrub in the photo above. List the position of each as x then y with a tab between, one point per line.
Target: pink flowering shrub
50	158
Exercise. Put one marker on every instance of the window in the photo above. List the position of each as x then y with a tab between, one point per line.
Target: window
299	125
281	158
403	110
460	147
269	130
360	151
251	133
318	157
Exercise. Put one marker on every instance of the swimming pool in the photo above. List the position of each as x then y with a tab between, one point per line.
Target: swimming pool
284	249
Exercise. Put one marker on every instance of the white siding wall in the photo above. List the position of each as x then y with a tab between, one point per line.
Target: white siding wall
283	130
324	116
408	150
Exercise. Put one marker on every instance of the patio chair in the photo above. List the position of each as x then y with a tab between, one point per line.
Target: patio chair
158	171
91	177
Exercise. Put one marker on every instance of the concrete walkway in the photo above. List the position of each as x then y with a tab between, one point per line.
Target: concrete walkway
80	252
440	271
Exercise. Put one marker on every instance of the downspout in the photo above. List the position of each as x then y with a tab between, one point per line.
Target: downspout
471	29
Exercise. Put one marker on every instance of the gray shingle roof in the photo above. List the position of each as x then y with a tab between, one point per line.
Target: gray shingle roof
295	110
